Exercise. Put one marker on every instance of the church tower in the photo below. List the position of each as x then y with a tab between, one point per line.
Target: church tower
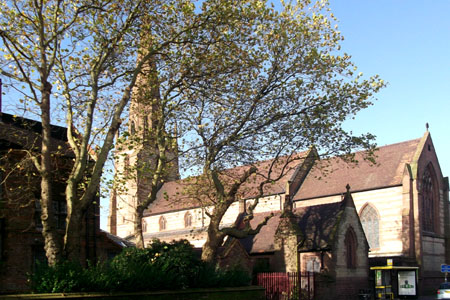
136	154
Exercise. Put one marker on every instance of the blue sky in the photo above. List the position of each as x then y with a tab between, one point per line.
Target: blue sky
407	43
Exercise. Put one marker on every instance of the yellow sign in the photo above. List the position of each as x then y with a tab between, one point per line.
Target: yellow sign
389	262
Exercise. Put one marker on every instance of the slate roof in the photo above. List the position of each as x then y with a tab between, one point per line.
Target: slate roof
118	240
329	177
317	225
263	242
174	195
18	132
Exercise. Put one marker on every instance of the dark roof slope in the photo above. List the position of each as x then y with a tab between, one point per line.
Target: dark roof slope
329	177
17	132
118	240
317	225
264	241
58	132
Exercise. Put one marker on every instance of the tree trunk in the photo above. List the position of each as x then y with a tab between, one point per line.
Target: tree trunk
138	234
72	238
52	245
213	242
51	239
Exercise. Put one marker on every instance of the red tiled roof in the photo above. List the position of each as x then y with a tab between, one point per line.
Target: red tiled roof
264	241
329	177
178	195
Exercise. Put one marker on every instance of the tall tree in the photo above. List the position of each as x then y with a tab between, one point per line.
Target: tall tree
79	57
161	93
279	84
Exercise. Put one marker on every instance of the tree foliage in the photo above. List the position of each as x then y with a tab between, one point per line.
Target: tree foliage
76	60
161	266
240	81
277	84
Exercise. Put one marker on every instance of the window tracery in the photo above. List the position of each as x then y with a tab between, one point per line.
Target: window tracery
144	226
162	223
370	221
187	220
350	245
428	200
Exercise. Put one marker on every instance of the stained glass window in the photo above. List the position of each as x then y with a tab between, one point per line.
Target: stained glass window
144	226
162	223
370	222
428	200
350	245
187	220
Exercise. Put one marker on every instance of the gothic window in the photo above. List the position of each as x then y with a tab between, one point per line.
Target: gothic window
144	226
162	223
371	224
313	264
187	220
145	127
126	166
350	247
428	200
133	128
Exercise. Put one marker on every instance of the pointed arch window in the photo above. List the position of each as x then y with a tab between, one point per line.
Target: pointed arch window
144	226
429	199
350	246
162	223
126	166
133	128
187	220
370	221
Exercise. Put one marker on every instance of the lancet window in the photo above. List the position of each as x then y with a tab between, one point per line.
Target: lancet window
370	221
350	245
429	199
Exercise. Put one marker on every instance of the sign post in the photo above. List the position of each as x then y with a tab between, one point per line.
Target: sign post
445	269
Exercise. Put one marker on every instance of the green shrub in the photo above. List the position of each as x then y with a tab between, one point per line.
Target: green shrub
234	276
64	277
160	266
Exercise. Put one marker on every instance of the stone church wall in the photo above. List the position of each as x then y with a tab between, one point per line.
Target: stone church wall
175	227
388	203
350	280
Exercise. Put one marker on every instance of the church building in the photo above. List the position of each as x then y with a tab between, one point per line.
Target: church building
399	205
401	200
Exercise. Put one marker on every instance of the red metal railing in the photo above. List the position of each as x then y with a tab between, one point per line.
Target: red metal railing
284	286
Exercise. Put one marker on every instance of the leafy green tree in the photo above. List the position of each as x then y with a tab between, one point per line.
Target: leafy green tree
159	96
79	58
277	84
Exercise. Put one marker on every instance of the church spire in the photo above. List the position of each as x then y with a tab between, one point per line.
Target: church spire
137	159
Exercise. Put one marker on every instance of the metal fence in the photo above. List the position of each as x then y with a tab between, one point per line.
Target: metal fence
284	286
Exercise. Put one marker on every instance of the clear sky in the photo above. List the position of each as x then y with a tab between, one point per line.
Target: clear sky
407	43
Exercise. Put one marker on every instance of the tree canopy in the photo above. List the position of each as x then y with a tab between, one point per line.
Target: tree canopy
234	82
